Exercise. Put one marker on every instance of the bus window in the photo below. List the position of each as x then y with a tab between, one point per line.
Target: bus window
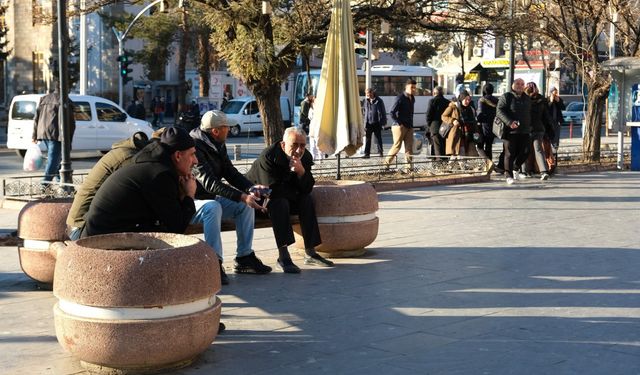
302	87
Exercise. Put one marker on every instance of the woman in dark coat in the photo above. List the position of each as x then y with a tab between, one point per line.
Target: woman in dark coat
540	127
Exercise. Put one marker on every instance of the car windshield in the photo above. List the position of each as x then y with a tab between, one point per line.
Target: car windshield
233	107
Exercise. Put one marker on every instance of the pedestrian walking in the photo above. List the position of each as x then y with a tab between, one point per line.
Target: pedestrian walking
437	106
402	129
541	128
486	113
46	128
375	118
514	110
556	106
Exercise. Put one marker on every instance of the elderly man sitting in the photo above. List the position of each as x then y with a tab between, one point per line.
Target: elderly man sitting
217	200
286	168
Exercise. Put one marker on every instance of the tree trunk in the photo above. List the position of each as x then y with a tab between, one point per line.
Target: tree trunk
598	92
182	62
268	98
204	63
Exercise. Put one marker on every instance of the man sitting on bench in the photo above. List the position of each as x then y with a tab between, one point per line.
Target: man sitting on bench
216	200
286	168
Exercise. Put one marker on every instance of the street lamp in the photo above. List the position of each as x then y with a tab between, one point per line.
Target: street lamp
121	37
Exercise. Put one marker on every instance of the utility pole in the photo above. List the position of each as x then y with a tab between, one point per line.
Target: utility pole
64	111
122	36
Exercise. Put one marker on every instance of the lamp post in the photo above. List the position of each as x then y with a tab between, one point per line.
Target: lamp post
121	37
65	112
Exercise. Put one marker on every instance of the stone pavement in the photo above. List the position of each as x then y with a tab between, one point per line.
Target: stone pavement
536	278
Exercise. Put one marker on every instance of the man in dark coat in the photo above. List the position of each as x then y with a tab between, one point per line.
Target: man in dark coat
121	154
375	117
514	110
217	200
46	128
437	106
286	168
154	194
402	129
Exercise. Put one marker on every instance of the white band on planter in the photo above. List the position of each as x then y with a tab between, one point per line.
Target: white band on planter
36	244
135	313
346	219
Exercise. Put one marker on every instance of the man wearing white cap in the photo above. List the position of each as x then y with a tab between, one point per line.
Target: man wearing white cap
217	200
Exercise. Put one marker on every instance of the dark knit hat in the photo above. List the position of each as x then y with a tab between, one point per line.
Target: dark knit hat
177	139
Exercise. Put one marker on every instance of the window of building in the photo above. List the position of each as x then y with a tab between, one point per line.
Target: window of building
37	60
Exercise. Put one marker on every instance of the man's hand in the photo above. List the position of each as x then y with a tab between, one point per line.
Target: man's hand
295	165
187	186
256	190
250	200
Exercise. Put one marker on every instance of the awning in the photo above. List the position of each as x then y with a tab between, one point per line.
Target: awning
471	76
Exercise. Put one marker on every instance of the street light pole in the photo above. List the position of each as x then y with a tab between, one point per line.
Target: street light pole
512	51
64	111
121	37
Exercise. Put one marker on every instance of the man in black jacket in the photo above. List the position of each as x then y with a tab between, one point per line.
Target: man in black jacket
375	117
216	200
286	168
153	194
437	105
402	129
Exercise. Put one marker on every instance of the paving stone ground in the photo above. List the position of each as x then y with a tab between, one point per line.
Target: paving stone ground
535	278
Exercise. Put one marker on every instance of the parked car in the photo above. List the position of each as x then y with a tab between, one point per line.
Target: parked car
244	112
574	112
99	123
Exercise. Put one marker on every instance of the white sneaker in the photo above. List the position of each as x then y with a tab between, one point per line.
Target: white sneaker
544	176
510	181
516	176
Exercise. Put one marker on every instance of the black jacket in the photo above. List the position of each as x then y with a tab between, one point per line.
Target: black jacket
374	112
540	119
272	169
46	124
214	165
555	110
513	108
487	109
437	105
141	197
402	110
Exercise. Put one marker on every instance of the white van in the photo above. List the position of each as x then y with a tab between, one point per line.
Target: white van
99	123
244	111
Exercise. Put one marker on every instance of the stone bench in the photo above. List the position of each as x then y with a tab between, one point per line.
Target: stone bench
261	221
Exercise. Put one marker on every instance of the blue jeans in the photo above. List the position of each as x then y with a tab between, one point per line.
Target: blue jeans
210	213
54	154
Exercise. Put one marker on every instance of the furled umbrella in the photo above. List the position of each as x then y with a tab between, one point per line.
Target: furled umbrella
337	118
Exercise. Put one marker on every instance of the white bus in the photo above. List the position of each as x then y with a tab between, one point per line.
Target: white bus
388	81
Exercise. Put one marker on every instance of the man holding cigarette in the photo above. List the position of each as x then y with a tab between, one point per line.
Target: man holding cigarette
285	167
217	200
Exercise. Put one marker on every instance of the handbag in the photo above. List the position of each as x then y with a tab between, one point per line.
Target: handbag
499	128
444	130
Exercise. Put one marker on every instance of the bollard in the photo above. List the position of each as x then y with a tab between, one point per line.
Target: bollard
571	129
41	224
237	152
346	212
136	302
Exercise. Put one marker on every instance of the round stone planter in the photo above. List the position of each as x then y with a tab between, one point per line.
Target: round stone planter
346	212
137	302
41	224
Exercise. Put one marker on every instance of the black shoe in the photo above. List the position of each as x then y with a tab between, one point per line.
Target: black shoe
366	157
317	260
221	327
224	279
288	266
251	264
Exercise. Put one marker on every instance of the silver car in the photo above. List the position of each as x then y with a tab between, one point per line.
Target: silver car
574	113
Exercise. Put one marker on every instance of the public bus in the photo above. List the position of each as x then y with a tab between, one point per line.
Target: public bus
388	81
